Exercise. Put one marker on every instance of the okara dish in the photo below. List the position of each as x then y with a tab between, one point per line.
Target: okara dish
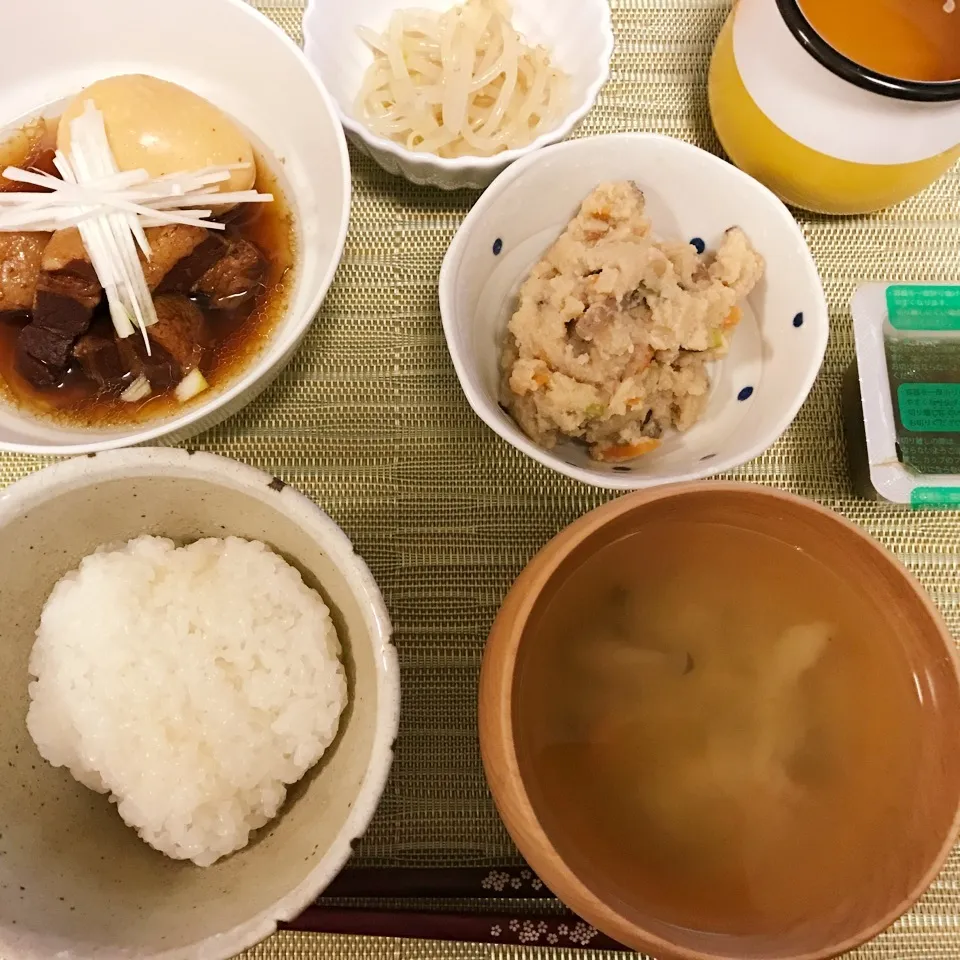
586	345
614	331
110	313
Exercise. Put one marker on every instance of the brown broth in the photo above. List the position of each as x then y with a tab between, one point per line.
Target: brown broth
717	728
32	146
238	336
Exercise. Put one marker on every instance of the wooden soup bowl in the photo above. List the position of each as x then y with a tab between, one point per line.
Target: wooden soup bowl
917	848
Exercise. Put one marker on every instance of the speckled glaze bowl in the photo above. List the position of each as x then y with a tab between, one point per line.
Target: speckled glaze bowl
75	881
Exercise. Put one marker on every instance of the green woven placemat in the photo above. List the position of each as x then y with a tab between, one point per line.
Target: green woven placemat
369	421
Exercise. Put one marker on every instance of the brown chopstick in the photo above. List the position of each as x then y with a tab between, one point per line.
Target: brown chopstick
480	883
552	931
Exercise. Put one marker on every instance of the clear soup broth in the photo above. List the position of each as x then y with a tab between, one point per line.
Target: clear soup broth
717	728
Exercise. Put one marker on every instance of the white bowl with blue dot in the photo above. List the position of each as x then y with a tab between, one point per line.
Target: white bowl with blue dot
775	355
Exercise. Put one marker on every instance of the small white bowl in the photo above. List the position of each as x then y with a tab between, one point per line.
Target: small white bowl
778	347
235	57
75	881
579	34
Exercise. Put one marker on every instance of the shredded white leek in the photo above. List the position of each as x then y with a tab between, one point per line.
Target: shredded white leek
112	209
140	389
459	83
110	237
192	384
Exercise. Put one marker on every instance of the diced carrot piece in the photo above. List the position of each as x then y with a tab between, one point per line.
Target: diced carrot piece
626	451
646	360
541	379
733	318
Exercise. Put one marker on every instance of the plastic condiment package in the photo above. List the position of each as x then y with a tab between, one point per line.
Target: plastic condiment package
908	372
819	130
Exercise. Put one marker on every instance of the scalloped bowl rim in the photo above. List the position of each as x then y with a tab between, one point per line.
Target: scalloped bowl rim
497	160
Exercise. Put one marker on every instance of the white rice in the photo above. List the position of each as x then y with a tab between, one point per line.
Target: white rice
191	683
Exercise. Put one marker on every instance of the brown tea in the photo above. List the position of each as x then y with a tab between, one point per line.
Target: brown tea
907	39
717	728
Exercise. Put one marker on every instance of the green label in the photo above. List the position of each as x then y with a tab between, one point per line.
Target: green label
934	498
929	407
918	307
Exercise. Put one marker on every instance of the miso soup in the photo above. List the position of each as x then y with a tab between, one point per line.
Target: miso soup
717	728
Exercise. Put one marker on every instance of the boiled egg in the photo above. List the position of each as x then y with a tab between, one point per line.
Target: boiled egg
163	128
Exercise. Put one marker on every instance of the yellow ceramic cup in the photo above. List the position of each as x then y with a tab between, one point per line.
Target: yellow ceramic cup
819	130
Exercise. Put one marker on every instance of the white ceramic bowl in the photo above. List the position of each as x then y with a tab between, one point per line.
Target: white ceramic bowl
579	34
776	352
76	882
227	52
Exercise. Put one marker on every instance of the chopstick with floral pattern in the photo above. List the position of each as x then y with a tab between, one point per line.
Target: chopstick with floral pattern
484	883
329	914
495	928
